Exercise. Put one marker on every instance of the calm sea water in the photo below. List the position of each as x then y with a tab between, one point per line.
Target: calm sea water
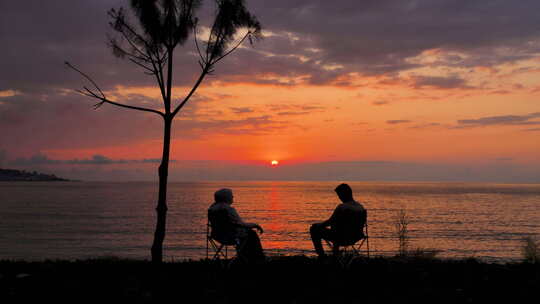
75	220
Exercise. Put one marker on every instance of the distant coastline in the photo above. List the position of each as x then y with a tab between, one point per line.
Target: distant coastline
11	175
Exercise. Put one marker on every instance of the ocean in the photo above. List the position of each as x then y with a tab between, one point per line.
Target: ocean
79	220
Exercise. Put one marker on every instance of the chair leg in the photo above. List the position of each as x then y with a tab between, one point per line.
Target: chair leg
219	252
239	251
353	252
330	245
335	250
207	238
367	242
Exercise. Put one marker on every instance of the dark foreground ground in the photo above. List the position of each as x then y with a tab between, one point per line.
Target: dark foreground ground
281	280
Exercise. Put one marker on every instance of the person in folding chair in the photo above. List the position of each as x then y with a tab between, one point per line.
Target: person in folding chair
344	228
228	228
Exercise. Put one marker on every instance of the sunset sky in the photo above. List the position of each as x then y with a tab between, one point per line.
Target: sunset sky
420	90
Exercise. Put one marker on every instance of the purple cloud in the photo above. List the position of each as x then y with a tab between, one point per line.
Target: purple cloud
241	110
42	159
398	121
452	82
501	120
380	103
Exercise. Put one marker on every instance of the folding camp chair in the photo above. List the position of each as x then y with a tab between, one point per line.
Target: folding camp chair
219	249
350	250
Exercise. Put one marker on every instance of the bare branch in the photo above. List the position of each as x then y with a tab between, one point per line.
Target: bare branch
157	60
163	58
90	93
201	64
105	100
102	98
143	54
208	63
133	32
209	42
159	77
150	53
116	48
193	89
197	43
248	34
151	71
85	94
85	76
219	37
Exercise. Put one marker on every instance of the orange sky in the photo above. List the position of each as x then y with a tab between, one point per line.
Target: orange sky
308	123
393	81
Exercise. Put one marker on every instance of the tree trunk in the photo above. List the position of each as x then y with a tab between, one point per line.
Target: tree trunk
161	209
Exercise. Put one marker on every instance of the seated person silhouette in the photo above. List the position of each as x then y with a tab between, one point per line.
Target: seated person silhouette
228	227
344	227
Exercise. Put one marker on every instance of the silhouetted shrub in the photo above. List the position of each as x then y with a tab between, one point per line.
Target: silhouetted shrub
530	250
402	232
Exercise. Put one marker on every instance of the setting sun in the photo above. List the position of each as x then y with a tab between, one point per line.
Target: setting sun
275	163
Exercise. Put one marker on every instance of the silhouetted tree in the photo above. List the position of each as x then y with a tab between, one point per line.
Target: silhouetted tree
150	44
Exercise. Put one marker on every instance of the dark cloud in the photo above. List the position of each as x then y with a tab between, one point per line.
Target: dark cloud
452	82
59	120
398	121
42	159
375	37
285	107
254	125
39	36
241	110
368	37
3	157
292	113
426	125
296	110
501	92
380	103
501	120
312	108
64	120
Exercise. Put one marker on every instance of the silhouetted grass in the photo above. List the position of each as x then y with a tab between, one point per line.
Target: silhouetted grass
293	279
420	253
